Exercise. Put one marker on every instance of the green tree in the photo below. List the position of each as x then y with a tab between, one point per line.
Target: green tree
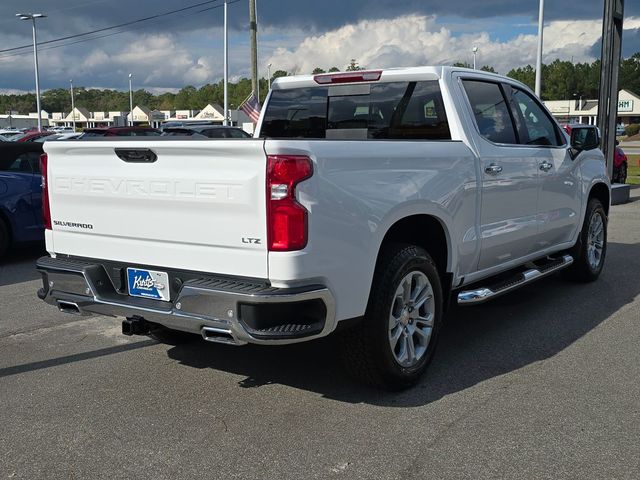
334	69
317	71
488	68
353	66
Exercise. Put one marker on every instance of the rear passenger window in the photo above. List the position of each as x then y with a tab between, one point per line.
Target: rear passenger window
396	110
537	128
296	113
490	111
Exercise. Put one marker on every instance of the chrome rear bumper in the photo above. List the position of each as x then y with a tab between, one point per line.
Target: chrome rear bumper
201	306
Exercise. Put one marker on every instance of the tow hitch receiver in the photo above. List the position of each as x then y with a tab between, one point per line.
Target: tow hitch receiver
135	326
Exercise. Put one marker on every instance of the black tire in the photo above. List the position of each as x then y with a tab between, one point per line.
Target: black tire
5	238
583	270
622	176
168	336
367	352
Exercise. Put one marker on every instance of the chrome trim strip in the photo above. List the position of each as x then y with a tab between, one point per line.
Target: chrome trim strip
484	294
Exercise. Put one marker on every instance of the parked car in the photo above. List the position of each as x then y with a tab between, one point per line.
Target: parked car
620	129
9	133
58	136
120	132
187	123
20	194
217	131
620	165
31	136
367	200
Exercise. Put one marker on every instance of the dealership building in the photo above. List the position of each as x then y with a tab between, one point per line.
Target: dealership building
141	115
586	111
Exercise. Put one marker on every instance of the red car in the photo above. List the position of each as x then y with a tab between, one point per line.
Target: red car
619	166
31	136
120	132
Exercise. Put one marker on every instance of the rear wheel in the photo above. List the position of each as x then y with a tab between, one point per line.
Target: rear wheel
394	344
591	249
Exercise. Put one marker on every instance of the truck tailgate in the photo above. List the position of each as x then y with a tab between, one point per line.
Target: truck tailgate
200	205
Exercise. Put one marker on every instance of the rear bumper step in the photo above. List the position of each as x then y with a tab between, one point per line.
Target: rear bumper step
489	292
221	310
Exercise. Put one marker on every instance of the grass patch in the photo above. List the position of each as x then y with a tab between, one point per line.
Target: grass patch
633	173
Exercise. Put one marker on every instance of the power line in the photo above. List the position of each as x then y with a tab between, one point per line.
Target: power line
97	37
126	24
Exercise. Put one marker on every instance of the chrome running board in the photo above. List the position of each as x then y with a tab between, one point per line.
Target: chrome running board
484	294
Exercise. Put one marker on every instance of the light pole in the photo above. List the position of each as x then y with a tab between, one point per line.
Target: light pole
269	76
130	101
539	58
73	107
226	66
475	52
32	17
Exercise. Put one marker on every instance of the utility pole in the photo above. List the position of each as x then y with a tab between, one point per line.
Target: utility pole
608	99
73	107
253	27
539	58
226	65
130	102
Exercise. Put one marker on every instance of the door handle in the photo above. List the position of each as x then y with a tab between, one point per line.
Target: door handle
546	166
136	155
493	169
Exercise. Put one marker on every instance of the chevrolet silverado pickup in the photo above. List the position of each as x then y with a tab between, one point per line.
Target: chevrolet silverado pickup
367	200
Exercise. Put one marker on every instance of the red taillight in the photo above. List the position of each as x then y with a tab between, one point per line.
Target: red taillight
349	77
286	218
46	209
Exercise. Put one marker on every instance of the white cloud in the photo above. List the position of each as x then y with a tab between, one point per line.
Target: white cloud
419	40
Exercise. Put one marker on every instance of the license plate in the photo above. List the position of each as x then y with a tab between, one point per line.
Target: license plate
148	284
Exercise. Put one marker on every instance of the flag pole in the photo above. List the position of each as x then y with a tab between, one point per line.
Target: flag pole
226	66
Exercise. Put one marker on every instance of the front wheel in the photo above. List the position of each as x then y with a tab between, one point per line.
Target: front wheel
394	344
591	249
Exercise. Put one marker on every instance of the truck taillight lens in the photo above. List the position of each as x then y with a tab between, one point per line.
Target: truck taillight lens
46	209
286	218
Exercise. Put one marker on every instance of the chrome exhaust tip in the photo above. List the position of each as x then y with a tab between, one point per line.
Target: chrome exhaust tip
219	335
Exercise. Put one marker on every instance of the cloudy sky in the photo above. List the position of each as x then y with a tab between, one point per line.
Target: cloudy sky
185	48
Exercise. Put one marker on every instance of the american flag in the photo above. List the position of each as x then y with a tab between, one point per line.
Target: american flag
251	107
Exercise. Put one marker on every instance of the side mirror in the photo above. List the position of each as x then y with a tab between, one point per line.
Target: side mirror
583	138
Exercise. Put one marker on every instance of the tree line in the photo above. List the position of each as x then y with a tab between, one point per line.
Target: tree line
561	80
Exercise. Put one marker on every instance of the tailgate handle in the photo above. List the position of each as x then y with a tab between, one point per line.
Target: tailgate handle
136	155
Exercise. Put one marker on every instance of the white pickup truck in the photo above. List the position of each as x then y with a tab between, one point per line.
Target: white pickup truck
367	199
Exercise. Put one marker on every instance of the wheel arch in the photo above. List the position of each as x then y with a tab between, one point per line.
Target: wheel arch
601	191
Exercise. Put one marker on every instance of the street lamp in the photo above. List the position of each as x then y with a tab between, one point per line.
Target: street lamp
269	75
130	102
32	17
73	107
475	52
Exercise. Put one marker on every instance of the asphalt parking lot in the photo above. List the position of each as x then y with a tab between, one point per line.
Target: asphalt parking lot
544	383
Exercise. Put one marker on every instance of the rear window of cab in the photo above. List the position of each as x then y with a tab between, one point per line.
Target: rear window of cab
393	110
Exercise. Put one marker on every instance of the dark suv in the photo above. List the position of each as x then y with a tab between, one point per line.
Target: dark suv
120	132
209	131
